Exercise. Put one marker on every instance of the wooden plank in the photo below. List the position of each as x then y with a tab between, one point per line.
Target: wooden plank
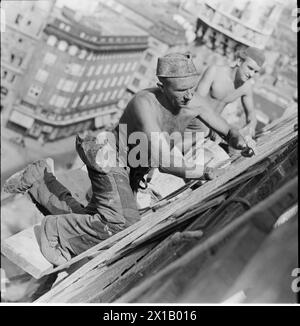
23	249
87	287
258	213
150	219
198	195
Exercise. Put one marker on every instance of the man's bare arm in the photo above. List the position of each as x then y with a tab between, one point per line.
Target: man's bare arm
213	120
162	156
248	106
206	81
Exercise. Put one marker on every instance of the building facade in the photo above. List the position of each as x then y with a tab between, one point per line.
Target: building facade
165	35
77	74
228	25
20	34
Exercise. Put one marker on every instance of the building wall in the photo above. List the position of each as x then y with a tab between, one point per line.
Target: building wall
227	25
70	88
24	23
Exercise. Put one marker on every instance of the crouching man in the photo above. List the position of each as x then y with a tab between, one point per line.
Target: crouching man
155	113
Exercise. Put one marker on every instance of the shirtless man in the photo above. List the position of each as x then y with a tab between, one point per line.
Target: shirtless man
222	85
72	228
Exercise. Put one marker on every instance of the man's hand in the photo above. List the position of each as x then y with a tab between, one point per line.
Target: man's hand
213	173
248	130
235	139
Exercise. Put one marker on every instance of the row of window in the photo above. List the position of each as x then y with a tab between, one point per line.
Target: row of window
104	83
77	70
61	102
94	38
111	68
84	54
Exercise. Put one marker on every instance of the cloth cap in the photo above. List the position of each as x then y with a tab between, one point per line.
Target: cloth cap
176	65
255	54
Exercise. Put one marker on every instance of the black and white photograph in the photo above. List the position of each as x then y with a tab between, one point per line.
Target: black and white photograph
149	155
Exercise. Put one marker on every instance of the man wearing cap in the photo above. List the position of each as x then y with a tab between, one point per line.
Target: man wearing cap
222	85
152	114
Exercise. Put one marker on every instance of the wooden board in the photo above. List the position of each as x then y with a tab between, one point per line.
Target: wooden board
23	250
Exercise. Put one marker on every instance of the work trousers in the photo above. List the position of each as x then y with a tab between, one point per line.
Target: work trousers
73	228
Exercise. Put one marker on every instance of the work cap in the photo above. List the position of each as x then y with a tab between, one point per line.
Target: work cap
255	54
176	65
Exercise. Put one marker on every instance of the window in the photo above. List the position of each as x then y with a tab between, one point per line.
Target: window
133	66
91	85
83	86
106	83
114	94
84	100
34	91
121	67
69	86
106	69
75	102
41	76
49	59
73	50
121	80
53	100
121	93
100	97
92	99
107	95
51	40
98	70
74	69
142	69
60	101
127	66
127	80
91	71
114	81
99	83
82	54
60	84
114	68
62	46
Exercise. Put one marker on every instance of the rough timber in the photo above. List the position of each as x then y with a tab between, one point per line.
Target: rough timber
215	217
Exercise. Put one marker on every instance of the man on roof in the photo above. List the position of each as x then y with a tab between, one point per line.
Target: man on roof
149	118
224	84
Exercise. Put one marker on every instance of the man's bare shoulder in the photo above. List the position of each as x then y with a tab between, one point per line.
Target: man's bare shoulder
248	86
146	97
222	70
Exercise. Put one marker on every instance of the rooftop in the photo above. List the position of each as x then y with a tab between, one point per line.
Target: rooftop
163	27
